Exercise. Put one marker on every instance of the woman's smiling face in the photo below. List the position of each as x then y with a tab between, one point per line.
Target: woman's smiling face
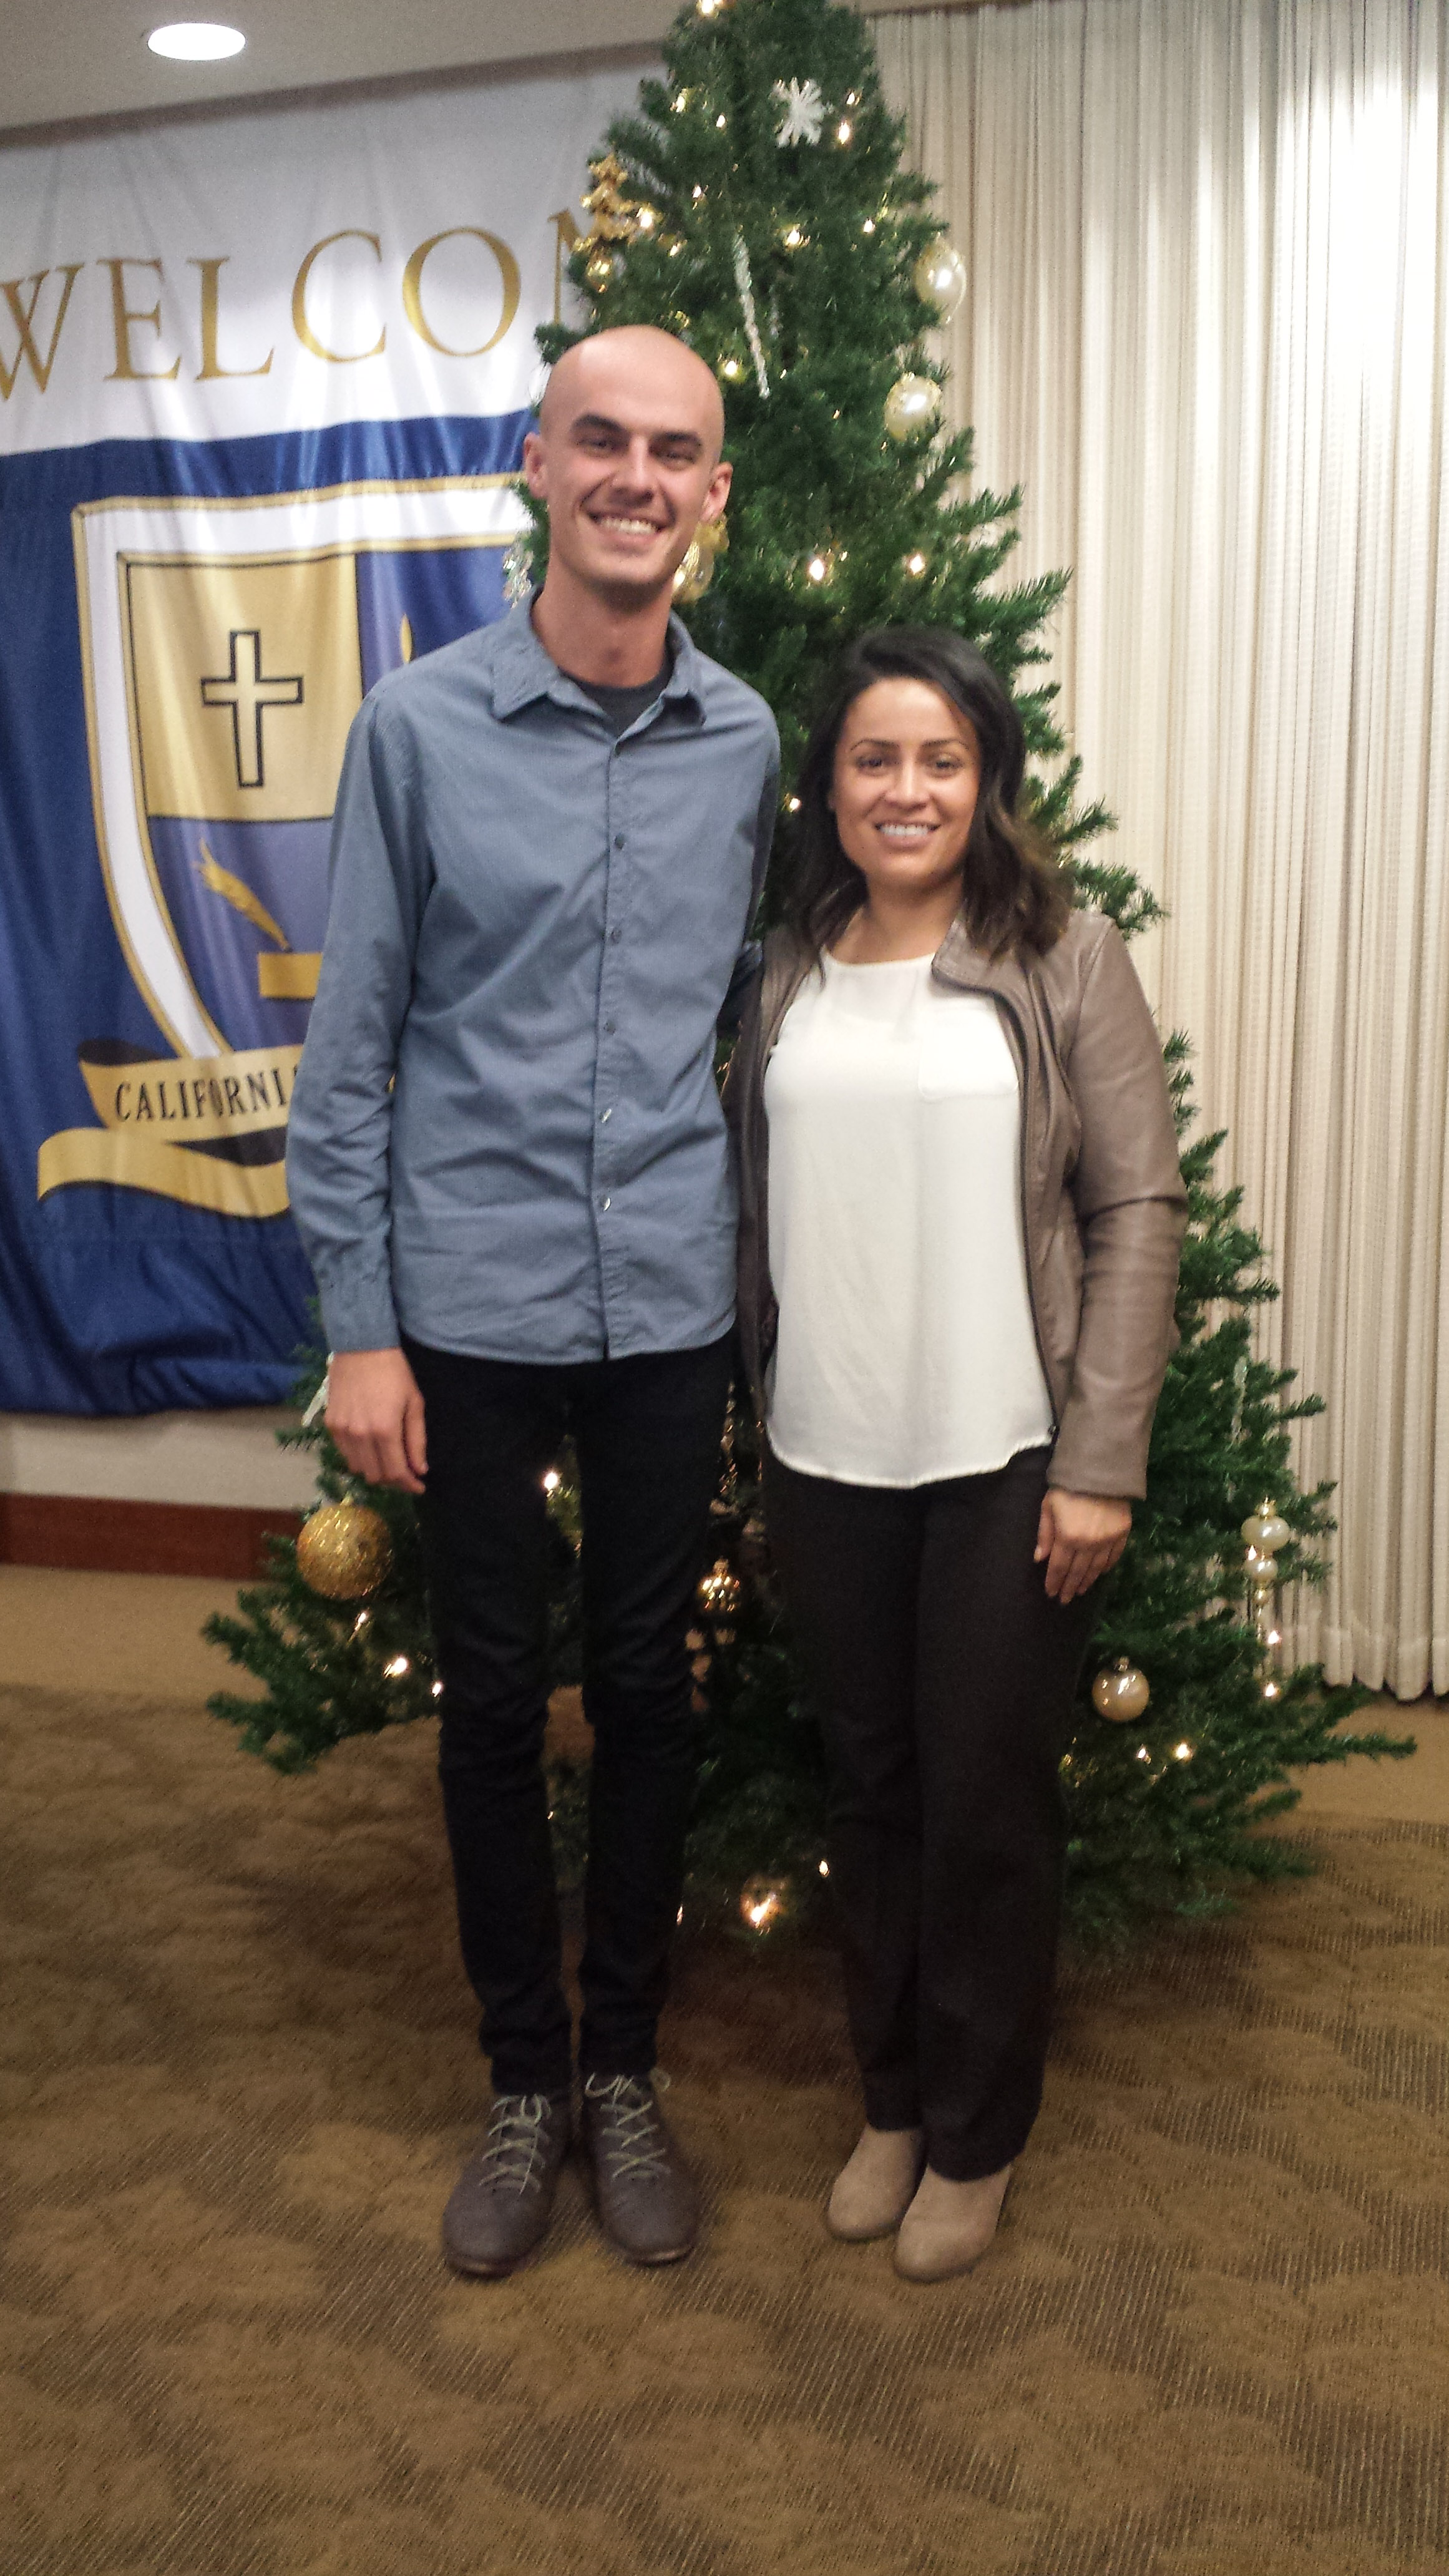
903	791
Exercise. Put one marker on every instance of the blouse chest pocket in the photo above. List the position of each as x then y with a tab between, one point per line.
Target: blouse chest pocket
963	1053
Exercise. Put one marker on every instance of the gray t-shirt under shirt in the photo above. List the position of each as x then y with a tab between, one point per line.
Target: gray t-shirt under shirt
621	706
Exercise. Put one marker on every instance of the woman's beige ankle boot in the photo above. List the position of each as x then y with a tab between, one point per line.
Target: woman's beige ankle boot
873	2190
948	2225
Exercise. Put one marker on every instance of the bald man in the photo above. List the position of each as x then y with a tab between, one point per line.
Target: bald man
509	1169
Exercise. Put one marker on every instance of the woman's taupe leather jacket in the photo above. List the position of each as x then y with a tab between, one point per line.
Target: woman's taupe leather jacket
1103	1204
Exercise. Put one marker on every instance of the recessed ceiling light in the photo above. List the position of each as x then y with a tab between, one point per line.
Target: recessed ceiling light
196	41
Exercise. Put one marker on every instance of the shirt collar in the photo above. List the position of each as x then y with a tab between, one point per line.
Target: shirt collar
523	671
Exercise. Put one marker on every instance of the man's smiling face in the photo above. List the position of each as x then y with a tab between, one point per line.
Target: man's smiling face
626	459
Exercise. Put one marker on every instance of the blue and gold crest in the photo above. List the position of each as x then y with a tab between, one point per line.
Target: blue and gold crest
227	648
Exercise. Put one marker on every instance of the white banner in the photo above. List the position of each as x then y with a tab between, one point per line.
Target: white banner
383	260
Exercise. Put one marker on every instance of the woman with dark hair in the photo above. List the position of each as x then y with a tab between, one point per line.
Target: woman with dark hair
960	1225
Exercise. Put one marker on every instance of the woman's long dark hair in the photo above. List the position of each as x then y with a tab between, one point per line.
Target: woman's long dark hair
1014	895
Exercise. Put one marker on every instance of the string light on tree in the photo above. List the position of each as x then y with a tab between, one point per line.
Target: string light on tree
765	1903
821	567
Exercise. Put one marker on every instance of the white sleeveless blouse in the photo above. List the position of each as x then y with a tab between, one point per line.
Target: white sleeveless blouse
906	1350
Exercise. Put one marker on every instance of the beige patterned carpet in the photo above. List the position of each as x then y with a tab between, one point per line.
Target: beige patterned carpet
1213	2338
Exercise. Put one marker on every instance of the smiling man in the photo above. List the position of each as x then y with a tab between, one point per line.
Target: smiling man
510	1172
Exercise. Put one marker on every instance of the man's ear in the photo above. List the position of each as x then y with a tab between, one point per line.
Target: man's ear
712	506
534	469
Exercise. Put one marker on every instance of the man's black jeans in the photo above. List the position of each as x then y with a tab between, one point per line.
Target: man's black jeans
646	1432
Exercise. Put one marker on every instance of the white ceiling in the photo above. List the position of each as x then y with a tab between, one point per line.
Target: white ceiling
63	60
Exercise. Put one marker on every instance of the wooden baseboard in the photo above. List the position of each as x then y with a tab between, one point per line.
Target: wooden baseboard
93	1535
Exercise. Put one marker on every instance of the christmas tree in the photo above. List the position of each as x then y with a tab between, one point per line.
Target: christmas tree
756	205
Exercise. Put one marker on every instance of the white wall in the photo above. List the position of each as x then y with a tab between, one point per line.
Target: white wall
230	1457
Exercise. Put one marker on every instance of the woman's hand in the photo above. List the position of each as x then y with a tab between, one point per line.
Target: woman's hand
1079	1536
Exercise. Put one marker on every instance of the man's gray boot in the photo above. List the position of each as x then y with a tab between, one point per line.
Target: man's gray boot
503	2197
645	2199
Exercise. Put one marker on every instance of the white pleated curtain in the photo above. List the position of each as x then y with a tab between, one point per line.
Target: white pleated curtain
1206	330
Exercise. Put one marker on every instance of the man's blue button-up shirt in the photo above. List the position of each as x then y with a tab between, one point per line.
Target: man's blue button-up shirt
505	1134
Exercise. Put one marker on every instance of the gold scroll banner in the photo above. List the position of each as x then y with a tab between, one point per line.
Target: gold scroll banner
290	978
201	1096
151	1111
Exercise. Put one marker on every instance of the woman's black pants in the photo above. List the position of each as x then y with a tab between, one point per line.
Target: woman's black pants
646	1432
944	1676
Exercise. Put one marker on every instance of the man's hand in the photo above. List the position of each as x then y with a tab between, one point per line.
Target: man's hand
1079	1536
375	1415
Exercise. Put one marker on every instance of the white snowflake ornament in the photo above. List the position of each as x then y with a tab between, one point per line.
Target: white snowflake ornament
804	111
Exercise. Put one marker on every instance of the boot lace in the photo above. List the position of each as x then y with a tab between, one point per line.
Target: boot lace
634	2140
513	2144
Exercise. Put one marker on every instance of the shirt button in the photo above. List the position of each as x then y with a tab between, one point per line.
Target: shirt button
604	1117
614	938
618	840
603	1203
608	1028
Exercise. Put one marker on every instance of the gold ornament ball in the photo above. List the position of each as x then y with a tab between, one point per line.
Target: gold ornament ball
694	575
696	572
911	406
719	1591
1266	1530
343	1551
939	278
1120	1692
